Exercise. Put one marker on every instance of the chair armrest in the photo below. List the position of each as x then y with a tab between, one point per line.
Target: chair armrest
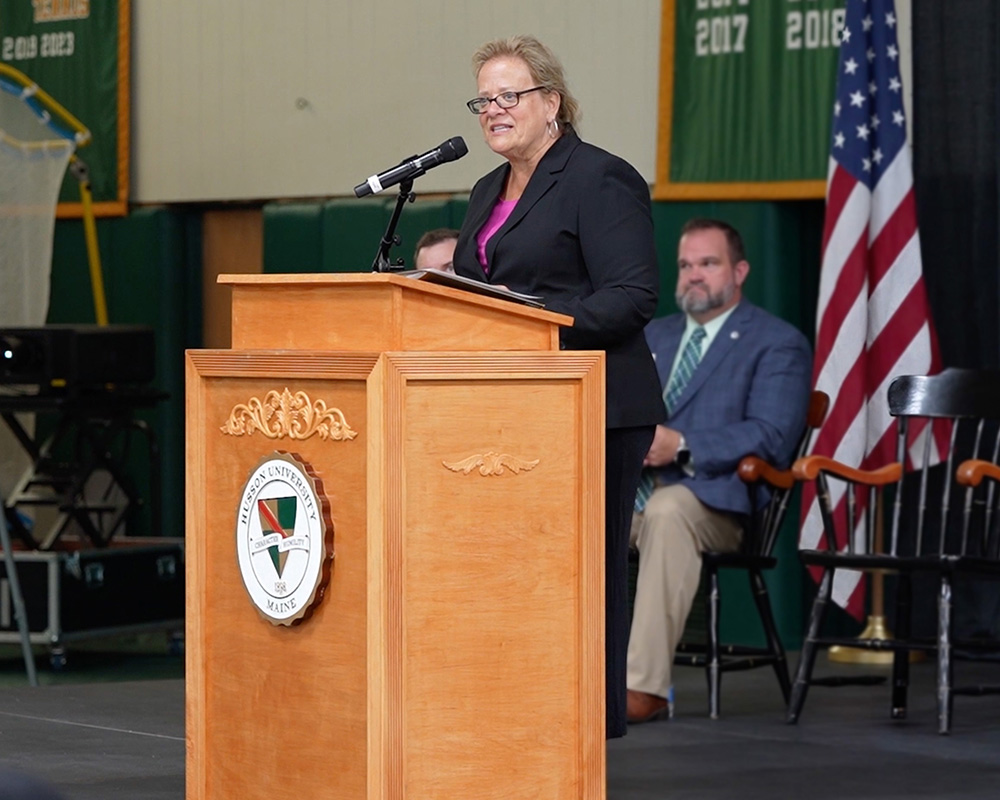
809	468
972	472
753	469
819	402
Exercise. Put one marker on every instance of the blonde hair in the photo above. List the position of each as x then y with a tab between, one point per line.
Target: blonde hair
543	65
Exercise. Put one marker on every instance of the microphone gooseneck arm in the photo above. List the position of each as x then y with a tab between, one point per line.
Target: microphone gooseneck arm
389	238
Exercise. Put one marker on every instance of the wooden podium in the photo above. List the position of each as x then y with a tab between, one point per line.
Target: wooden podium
457	651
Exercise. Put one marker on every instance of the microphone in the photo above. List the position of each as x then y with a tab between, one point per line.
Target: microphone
413	167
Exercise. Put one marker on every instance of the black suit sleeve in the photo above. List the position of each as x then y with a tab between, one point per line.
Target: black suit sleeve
616	240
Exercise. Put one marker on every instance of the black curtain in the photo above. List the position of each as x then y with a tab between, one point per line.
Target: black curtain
955	143
956	96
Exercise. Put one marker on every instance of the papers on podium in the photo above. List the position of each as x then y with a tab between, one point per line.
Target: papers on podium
469	285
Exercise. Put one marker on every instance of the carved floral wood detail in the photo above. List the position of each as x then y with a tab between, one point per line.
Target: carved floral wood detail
491	464
283	414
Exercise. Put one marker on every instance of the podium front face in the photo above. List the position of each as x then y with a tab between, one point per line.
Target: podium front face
457	650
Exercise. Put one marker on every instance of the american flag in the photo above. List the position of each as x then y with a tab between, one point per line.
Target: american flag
873	320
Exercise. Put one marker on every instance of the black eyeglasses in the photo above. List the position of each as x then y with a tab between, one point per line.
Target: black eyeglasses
478	105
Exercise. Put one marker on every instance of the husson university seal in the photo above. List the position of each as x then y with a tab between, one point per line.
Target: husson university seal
284	538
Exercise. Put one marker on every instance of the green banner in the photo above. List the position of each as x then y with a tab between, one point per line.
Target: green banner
77	52
747	89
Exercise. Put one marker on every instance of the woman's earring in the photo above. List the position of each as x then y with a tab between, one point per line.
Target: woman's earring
553	128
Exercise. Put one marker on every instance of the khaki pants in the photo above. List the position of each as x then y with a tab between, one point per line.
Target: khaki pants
670	534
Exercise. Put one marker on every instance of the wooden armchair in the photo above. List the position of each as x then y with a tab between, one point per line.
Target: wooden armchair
754	557
930	532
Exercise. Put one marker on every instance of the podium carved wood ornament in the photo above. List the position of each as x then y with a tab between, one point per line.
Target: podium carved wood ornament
283	414
491	463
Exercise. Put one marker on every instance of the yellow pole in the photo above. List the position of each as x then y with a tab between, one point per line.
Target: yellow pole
90	234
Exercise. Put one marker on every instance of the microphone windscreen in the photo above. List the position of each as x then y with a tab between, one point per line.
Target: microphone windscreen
454	148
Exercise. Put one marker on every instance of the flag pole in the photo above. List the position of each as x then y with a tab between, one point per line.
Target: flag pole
876	628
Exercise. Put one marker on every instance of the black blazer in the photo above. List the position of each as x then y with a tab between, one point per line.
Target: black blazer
581	237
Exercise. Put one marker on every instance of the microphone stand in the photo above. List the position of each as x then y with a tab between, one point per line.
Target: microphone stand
382	263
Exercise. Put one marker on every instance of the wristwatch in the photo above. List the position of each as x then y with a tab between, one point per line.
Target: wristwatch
683	454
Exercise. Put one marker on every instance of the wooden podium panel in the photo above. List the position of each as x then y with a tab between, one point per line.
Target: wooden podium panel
268	705
379	312
458	651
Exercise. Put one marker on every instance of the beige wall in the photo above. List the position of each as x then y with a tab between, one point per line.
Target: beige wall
250	99
260	99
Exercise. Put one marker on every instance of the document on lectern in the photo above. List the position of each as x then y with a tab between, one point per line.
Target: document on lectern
477	287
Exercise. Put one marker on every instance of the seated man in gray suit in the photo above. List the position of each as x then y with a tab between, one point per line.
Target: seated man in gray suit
735	382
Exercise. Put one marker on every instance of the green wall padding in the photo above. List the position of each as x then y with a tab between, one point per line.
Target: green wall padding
151	264
351	232
293	240
353	229
343	235
457	206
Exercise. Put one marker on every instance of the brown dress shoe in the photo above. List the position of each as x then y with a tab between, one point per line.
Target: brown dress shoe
643	707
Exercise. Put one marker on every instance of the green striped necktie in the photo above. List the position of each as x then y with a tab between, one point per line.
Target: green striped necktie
678	383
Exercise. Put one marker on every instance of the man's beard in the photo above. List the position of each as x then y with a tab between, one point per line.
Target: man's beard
691	303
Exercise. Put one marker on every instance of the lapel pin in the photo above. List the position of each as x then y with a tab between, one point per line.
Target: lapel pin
734	335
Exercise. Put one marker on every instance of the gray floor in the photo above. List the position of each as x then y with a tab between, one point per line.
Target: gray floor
845	745
104	740
98	741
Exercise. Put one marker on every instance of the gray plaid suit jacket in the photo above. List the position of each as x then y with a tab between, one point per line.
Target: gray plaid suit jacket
748	396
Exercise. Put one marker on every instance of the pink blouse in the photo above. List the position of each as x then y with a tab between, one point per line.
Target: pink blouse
498	216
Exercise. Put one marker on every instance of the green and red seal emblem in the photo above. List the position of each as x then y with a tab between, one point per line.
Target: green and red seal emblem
284	538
